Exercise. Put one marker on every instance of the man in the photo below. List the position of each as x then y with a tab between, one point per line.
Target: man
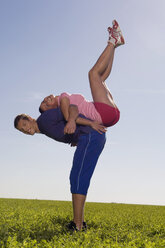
61	126
90	144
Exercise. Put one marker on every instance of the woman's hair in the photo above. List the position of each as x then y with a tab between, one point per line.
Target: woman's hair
18	118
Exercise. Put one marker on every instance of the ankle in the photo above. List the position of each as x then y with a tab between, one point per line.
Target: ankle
110	44
79	224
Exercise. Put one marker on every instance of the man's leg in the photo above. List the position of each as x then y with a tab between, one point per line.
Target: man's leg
86	155
78	202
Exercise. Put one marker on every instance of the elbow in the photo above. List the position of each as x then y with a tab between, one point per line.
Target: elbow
66	117
73	106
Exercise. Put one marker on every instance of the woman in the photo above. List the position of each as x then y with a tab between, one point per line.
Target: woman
103	108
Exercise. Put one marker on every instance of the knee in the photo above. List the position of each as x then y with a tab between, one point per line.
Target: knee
92	74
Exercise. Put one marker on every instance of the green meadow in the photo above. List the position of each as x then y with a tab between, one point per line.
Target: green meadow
41	224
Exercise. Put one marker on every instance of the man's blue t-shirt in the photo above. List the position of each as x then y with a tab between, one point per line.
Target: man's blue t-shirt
52	123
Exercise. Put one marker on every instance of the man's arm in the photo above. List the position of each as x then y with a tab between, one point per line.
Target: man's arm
93	124
71	113
73	119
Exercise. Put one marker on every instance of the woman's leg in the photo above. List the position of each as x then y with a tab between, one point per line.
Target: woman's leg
99	73
101	70
107	72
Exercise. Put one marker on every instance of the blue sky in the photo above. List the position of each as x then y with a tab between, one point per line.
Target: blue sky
49	47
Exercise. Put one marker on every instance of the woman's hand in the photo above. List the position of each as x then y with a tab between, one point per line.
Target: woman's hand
70	127
98	127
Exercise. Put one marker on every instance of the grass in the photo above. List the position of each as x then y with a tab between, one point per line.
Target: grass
42	224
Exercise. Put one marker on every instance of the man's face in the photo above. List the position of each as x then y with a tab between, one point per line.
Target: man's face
26	126
48	103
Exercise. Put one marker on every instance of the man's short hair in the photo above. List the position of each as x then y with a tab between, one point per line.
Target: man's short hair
40	110
18	118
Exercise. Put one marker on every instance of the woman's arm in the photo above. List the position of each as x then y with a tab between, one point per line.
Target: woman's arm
70	113
73	113
64	106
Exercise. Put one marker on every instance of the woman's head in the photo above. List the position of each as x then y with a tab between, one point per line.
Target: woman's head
49	102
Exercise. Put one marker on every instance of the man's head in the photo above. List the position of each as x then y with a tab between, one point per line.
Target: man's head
49	102
26	124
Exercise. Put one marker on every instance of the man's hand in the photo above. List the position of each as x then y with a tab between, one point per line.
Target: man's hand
73	144
70	127
98	127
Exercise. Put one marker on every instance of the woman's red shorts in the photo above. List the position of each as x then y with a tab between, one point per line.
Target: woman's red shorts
109	115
